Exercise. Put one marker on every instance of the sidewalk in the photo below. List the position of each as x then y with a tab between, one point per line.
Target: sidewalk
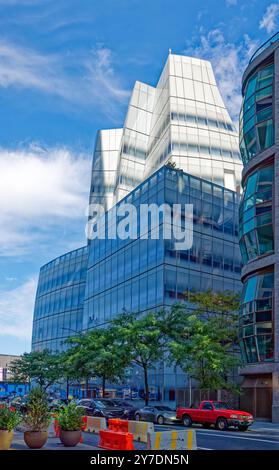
53	443
265	427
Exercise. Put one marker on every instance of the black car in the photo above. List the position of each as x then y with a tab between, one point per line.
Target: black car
57	404
129	408
101	407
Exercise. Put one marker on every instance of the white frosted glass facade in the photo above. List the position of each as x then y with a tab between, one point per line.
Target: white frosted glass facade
104	167
183	119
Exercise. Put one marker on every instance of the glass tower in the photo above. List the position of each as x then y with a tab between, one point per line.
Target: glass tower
177	146
258	221
183	119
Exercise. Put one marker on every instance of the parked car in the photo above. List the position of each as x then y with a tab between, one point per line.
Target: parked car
216	413
19	403
101	407
159	414
57	404
129	408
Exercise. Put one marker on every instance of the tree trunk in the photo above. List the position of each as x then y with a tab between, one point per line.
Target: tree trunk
146	388
103	387
190	391
67	388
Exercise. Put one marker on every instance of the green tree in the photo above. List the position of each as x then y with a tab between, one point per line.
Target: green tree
143	341
37	417
43	367
203	334
98	353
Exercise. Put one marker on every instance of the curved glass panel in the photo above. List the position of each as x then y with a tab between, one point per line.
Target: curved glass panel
256	125
256	335
59	300
255	215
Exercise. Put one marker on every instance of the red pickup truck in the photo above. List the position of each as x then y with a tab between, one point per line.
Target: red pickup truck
215	412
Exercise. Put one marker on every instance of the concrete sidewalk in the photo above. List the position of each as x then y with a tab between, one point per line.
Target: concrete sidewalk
53	443
265	427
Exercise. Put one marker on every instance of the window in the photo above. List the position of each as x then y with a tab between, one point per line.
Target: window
207	406
255	215
256	123
256	333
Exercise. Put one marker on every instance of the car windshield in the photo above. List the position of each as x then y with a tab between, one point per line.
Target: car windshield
104	404
218	405
163	408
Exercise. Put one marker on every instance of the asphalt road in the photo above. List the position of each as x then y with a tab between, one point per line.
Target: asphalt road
210	439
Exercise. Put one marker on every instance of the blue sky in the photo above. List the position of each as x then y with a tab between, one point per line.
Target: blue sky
67	69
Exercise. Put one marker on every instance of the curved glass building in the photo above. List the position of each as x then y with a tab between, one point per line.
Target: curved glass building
59	300
178	145
259	237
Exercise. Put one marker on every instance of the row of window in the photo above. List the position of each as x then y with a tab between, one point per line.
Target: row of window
59	301
206	254
138	294
256	333
256	122
202	121
58	326
75	256
214	208
153	289
255	215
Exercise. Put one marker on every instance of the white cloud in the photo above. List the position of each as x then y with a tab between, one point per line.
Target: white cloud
228	61
269	20
83	80
41	191
16	310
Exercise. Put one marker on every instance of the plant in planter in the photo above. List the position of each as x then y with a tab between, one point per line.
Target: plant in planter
70	424
37	419
9	419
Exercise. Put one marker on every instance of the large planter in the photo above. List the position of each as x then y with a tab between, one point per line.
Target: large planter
35	439
70	438
6	438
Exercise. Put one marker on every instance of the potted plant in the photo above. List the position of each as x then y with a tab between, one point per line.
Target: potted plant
37	419
9	419
70	424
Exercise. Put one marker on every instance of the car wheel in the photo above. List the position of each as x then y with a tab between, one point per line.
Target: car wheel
242	428
160	420
187	421
222	424
137	417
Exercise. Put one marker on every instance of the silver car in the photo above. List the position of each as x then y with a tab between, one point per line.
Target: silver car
158	414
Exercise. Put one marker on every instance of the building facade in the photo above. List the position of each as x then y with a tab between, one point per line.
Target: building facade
7	385
259	225
58	311
140	275
181	122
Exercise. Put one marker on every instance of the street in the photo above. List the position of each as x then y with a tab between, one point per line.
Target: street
210	439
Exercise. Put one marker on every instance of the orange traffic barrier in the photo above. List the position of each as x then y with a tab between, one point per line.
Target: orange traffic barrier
84	421
56	428
118	425
111	440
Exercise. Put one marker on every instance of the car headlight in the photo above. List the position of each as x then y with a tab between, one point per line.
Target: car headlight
234	416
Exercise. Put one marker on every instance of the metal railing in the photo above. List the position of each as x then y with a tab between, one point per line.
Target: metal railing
264	46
